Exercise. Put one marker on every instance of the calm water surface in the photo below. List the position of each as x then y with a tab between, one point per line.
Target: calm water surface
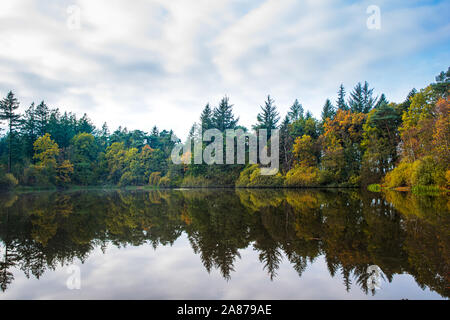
224	244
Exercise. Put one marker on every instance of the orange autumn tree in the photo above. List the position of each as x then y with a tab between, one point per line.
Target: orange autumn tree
341	144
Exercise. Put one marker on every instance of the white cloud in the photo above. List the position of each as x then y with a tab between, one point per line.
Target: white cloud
159	62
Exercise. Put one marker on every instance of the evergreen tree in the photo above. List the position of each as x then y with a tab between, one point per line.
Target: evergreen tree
442	85
85	125
407	103
361	98
296	111
328	111
41	116
341	105
223	117
103	136
268	117
155	131
29	130
308	115
381	101
8	107
368	100
206	118
356	101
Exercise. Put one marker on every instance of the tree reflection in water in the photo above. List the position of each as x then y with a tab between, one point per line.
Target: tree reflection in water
400	233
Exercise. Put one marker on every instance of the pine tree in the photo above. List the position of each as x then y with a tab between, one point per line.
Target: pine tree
41	116
361	98
407	103
308	115
368	100
85	125
104	136
268	117
206	118
295	112
29	130
155	131
223	117
328	111
8	106
442	85
356	101
381	101
341	105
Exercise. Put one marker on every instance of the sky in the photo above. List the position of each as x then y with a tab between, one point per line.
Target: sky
140	63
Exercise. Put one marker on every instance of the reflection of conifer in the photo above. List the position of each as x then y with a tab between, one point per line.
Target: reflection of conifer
271	258
9	261
332	267
347	281
300	263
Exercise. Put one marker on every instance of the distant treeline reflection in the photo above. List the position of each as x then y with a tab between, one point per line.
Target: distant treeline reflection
401	233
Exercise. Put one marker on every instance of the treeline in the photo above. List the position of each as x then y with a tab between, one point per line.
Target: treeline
359	140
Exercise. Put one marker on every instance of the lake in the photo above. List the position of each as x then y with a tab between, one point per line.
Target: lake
224	244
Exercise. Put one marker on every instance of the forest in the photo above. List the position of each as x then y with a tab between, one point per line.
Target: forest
360	140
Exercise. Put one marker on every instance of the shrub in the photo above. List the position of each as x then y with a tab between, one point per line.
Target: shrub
301	176
427	172
36	175
252	177
244	176
8	181
164	182
399	177
192	181
259	180
422	172
326	177
154	178
374	188
126	179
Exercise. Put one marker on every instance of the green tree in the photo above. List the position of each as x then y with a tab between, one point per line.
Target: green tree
45	151
85	125
381	138
381	101
361	98
295	112
328	111
223	117
41	116
84	151
442	85
8	107
268	117
340	103
29	130
206	120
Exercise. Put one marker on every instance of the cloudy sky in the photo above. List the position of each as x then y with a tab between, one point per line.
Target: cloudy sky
140	63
